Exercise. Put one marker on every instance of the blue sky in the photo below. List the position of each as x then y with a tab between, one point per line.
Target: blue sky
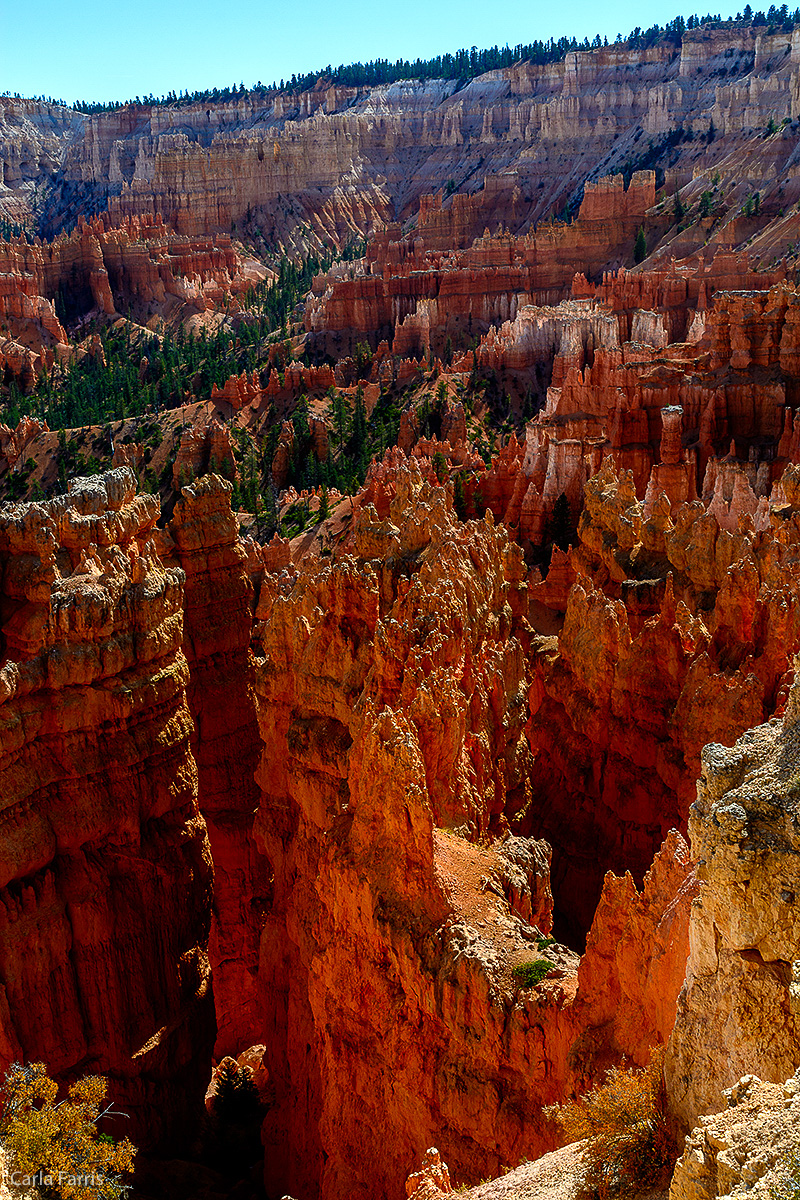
93	50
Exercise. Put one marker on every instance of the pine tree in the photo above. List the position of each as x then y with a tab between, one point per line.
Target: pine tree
232	1131
679	210
459	497
236	1095
640	247
424	412
360	429
339	410
560	528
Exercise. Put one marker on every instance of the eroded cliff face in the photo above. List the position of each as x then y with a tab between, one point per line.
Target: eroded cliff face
106	870
539	132
651	668
202	537
741	981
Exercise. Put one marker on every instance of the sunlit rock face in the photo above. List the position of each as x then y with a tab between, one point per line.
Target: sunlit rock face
742	973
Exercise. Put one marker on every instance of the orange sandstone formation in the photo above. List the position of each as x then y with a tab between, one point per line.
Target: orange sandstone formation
202	537
420	292
107	878
391	709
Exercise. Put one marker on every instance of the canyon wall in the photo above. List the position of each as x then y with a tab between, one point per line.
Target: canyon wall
107	877
202	537
537	131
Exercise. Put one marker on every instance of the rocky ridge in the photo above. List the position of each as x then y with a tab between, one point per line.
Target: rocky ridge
204	167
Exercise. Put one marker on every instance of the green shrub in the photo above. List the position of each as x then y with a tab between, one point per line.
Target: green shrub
528	974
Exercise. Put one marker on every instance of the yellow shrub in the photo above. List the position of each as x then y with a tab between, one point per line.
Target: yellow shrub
56	1146
624	1121
785	1178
